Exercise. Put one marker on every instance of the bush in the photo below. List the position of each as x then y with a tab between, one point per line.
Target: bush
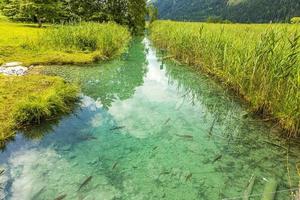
295	20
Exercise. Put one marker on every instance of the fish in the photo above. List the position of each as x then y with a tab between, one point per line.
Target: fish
117	128
212	127
61	197
167	121
185	136
38	193
87	137
217	158
188	177
154	148
115	165
2	171
84	183
164	173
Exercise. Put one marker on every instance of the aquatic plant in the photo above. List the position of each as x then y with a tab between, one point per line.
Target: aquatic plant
260	62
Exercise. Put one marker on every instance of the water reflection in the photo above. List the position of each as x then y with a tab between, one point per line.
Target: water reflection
108	82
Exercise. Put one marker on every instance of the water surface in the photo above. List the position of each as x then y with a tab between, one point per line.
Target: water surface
148	129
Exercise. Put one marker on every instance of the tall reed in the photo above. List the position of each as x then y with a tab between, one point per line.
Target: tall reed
261	62
108	39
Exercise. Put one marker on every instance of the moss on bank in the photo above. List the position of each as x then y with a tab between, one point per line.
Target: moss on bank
31	99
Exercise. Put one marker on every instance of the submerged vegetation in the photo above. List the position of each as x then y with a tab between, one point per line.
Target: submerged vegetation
260	62
31	99
64	44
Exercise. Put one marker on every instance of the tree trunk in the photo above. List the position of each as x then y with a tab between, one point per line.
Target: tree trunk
39	22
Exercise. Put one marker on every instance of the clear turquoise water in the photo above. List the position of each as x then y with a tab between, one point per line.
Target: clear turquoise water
148	130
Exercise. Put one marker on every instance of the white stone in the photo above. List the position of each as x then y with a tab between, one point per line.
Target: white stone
12	64
18	70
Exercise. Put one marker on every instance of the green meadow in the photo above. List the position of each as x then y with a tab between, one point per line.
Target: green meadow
60	44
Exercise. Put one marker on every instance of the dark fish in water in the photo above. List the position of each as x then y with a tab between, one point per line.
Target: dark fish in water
61	197
88	137
185	136
2	171
217	158
85	182
154	148
38	193
188	177
212	127
167	121
117	128
115	165
165	173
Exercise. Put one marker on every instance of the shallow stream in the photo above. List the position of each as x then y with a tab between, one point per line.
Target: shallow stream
148	129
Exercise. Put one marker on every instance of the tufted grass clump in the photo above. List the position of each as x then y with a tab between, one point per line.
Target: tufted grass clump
260	62
31	99
106	39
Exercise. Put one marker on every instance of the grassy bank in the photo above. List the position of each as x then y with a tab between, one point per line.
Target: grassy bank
260	62
63	44
30	99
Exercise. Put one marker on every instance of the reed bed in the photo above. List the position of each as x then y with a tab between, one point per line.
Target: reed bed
260	62
108	39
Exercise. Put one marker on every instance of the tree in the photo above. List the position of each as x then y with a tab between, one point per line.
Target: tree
152	13
32	10
126	12
40	10
136	15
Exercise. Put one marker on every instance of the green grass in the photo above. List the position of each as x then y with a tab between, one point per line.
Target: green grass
63	44
30	99
260	62
33	98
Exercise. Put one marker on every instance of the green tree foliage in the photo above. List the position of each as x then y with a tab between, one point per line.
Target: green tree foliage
32	10
234	10
136	15
152	12
126	12
295	20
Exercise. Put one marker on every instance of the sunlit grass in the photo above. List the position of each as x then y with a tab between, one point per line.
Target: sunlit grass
31	99
63	44
261	62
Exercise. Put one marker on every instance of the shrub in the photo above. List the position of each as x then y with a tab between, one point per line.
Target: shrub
295	20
